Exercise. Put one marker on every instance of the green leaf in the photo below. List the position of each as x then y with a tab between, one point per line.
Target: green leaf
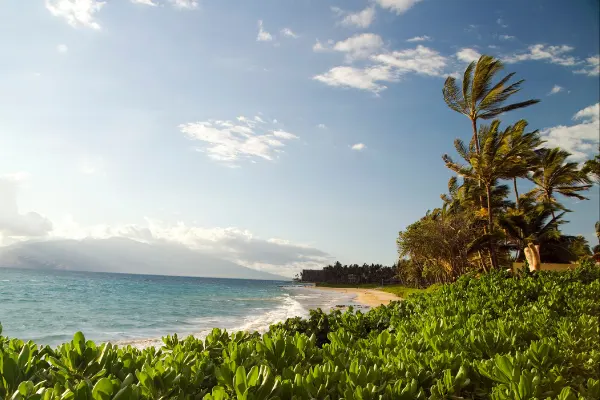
24	357
103	389
79	343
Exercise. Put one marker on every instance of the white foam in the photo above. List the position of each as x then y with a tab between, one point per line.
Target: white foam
297	304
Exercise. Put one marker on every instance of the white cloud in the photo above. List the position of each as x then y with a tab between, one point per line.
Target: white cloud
589	113
556	89
145	2
263	35
358	146
581	140
15	225
185	4
540	52
234	244
399	6
507	37
360	19
319	47
62	48
591	67
360	46
358	78
76	12
421	60
229	142
322	126
468	55
423	38
501	22
386	67
289	33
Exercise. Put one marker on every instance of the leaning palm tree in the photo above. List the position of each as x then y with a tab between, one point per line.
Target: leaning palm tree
525	144
496	160
478	98
553	174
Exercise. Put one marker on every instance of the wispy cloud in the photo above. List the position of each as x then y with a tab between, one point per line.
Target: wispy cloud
145	2
263	35
360	19
423	38
468	55
76	12
289	33
581	139
368	78
359	46
507	37
540	52
322	126
62	48
185	4
555	89
591	66
385	67
358	147
398	6
420	60
501	22
232	141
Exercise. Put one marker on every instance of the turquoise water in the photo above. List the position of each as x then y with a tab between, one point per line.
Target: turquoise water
49	306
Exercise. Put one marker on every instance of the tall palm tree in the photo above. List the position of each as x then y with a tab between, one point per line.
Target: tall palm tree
478	98
553	174
495	160
525	144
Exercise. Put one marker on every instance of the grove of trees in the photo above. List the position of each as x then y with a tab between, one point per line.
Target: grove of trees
481	225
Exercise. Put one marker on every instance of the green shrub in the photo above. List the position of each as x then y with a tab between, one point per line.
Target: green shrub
498	336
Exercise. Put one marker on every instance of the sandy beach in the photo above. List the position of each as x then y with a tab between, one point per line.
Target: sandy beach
368	297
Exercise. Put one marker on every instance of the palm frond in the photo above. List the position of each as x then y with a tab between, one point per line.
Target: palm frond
493	113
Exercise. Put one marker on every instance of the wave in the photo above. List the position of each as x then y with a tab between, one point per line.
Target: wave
288	308
296	304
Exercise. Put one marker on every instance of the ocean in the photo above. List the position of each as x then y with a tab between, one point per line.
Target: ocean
48	307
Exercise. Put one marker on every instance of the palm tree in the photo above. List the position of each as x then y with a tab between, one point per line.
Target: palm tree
592	168
553	174
525	144
495	160
478	98
530	227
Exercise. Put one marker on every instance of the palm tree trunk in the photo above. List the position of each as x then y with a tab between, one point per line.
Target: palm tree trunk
475	136
516	191
493	256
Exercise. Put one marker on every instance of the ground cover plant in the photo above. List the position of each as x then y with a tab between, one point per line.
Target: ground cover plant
496	336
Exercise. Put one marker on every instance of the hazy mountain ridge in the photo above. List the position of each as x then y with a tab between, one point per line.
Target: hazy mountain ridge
125	256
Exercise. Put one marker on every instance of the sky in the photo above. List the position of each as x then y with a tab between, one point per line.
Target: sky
306	131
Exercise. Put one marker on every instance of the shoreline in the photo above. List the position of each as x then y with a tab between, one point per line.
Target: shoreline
367	297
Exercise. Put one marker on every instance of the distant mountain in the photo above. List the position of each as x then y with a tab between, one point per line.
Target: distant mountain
125	256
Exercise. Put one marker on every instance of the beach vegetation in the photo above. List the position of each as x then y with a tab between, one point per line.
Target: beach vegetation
493	336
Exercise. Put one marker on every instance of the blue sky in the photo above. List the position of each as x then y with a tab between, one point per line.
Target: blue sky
305	130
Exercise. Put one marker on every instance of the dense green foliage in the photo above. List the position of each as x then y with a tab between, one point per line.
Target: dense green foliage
347	274
496	336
